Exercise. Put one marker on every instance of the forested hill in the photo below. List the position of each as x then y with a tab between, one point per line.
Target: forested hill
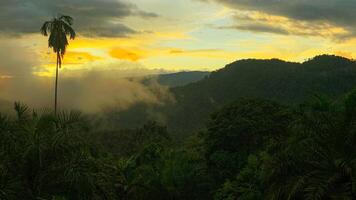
284	82
273	79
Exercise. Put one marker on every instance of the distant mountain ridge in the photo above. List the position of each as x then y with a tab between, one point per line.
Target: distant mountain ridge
177	79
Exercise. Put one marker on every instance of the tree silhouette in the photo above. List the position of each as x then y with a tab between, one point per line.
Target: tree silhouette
58	29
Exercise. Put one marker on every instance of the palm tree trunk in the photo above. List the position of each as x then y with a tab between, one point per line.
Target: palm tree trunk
56	85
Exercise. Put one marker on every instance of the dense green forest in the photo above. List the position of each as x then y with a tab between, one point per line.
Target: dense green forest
278	142
250	149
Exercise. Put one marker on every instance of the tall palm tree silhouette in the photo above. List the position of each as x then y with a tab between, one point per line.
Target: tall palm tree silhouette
58	29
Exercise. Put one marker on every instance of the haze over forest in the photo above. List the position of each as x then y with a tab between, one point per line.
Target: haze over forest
187	99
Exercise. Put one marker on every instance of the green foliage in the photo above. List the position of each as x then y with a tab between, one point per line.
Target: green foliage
126	142
318	162
240	129
315	160
350	106
247	185
163	173
44	156
250	150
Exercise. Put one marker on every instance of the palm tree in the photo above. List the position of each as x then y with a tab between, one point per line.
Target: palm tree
58	29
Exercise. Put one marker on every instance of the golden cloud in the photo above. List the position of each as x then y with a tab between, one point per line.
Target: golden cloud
255	21
126	54
81	57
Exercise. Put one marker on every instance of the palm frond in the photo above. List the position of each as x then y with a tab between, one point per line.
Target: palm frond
22	111
68	30
46	27
67	19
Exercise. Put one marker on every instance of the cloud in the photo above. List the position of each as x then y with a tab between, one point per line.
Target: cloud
100	89
330	13
92	92
185	51
258	22
258	27
125	54
107	30
335	11
16	60
94	18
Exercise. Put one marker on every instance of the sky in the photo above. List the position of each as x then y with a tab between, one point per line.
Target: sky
118	38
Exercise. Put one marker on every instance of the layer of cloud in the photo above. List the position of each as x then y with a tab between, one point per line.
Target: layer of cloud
90	93
326	13
102	18
16	60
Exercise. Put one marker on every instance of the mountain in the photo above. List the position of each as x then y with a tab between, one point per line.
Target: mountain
274	79
177	79
285	82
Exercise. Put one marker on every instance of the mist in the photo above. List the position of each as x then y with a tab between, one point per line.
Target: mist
88	90
91	93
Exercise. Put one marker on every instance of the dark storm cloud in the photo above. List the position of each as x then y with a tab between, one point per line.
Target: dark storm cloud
337	11
340	13
113	30
92	17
